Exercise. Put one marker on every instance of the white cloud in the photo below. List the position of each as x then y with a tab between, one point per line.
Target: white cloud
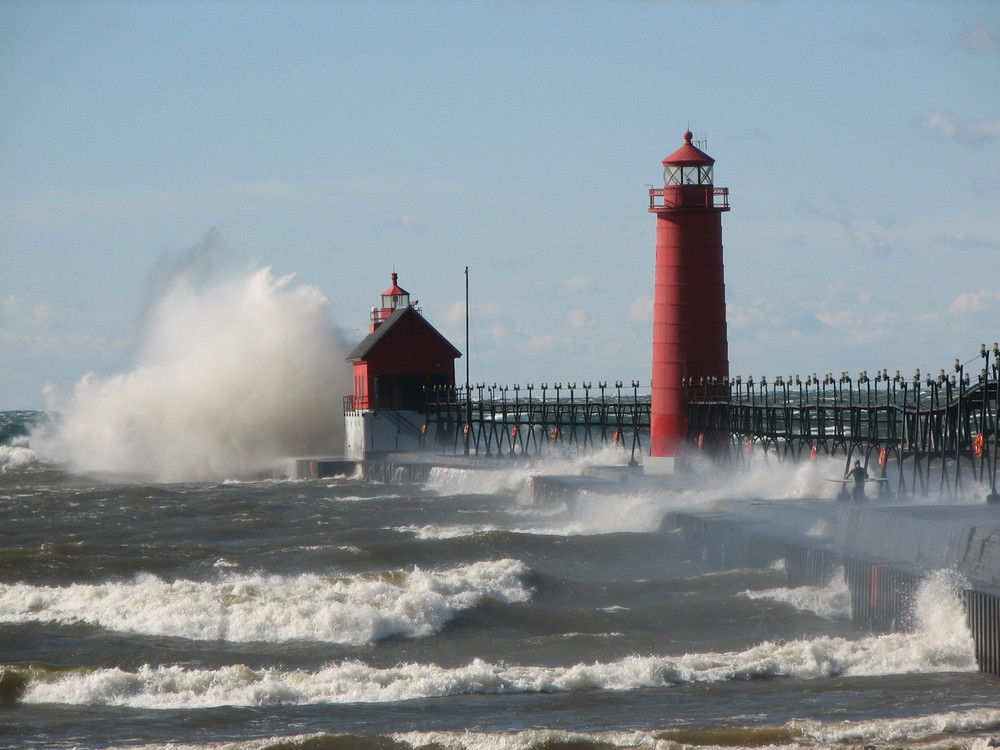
943	126
762	312
407	222
455	314
964	239
980	36
500	333
501	259
979	302
641	309
867	238
580	283
863	329
542	344
11	306
839	319
578	318
19	316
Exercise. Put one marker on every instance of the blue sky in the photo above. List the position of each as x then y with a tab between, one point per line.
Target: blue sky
337	140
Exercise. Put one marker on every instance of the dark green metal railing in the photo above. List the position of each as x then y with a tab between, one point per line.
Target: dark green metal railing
920	433
930	430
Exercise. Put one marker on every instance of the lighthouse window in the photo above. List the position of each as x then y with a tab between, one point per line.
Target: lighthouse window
393	301
696	175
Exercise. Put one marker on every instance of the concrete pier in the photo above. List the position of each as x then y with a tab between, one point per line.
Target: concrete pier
323	468
408	467
884	552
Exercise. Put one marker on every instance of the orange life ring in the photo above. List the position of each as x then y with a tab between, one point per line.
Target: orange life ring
466	429
423	429
616	437
513	432
979	444
701	439
813	452
748	447
555	433
883	456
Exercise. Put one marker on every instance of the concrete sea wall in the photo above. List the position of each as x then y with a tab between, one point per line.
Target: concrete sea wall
884	553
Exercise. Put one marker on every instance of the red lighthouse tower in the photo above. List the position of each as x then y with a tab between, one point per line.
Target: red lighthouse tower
689	314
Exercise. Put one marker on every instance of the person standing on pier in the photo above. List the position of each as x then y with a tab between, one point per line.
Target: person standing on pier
860	476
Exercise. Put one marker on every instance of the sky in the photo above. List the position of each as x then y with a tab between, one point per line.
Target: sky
338	141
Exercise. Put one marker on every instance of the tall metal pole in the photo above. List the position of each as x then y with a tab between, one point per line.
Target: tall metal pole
468	388
994	496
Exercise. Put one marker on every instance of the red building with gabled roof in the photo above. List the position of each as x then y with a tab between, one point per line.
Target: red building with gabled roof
401	357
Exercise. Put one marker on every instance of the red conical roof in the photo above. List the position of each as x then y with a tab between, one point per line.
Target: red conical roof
395	289
688	155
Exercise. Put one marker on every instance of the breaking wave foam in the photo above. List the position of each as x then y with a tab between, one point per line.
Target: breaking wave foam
959	730
832	601
348	611
922	732
16	456
418	603
431	531
356	682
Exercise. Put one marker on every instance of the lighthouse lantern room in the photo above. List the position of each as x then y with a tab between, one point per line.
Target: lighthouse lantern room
393	298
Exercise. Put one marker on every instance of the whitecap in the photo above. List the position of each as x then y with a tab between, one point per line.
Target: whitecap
244	608
832	601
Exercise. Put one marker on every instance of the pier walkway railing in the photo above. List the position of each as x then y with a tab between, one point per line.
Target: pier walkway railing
499	421
924	435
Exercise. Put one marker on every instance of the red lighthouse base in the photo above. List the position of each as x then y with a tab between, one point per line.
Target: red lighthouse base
689	320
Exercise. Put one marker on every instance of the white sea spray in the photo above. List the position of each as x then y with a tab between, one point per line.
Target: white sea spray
16	456
235	372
